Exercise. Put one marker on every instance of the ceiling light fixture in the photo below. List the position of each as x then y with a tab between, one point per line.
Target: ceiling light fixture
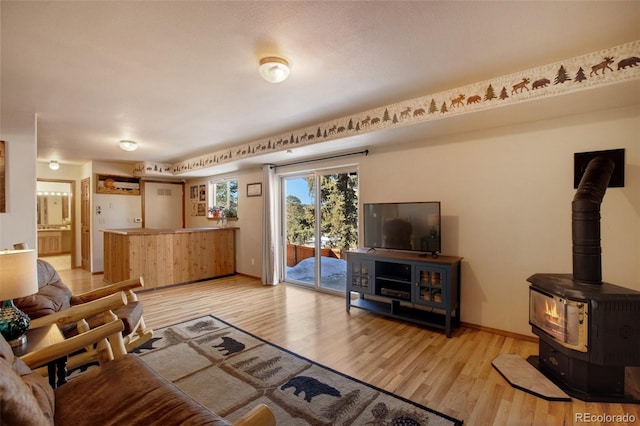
274	69
128	145
54	165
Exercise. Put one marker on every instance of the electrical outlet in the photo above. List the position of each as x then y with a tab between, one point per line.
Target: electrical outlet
137	220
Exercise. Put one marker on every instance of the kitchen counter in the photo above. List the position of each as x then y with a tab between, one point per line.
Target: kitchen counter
165	257
153	231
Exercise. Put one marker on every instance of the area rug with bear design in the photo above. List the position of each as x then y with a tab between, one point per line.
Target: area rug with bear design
230	371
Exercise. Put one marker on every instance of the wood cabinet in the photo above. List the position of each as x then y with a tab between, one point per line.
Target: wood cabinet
49	243
407	286
53	241
65	241
167	257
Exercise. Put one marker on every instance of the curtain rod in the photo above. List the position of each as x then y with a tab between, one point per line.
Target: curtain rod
365	153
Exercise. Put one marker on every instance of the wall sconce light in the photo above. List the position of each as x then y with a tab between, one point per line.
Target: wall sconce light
54	165
274	69
128	145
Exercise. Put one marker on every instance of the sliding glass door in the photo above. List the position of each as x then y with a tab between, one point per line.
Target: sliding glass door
299	229
320	222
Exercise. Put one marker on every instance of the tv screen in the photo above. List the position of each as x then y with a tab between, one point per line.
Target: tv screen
403	226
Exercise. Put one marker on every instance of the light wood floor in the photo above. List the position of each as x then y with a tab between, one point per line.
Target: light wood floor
59	262
454	376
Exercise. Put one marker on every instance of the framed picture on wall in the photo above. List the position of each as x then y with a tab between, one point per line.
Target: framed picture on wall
202	209
123	185
254	189
193	193
203	193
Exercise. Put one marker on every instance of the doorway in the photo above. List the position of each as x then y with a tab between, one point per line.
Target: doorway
320	222
56	222
85	224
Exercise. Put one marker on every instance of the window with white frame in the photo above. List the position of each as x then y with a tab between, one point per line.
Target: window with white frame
223	198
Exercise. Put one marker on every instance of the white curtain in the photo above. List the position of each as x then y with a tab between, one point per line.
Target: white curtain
270	252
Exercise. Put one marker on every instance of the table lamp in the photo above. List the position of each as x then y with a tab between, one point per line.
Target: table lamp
18	278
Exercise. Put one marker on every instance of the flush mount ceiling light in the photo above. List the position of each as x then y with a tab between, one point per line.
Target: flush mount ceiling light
54	165
274	69
128	145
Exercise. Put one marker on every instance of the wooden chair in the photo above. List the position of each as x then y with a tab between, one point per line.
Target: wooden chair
122	383
54	296
105	339
139	333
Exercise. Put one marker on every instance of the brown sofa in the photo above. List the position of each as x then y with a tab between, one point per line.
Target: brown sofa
122	391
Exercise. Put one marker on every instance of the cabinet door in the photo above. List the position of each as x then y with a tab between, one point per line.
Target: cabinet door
54	244
42	244
360	275
431	286
49	243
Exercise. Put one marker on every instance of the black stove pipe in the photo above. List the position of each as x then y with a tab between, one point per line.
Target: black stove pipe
585	221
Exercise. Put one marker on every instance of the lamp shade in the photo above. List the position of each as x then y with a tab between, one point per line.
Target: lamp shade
18	274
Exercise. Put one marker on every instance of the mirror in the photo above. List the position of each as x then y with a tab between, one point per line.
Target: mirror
54	205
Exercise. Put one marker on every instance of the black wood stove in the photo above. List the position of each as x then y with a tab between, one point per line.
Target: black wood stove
589	330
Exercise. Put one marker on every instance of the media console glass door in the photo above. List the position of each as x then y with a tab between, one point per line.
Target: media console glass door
430	290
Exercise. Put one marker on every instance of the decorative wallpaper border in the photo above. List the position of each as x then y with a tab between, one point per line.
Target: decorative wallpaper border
594	70
147	168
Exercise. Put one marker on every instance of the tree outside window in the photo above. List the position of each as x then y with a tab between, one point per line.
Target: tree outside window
339	212
223	198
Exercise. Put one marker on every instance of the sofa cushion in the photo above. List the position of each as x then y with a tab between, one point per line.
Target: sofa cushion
127	391
53	295
25	397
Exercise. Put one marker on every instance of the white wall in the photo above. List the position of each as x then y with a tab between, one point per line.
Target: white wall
163	205
506	205
18	224
249	236
506	200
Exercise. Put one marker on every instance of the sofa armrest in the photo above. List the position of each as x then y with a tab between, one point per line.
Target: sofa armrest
260	415
107	290
55	351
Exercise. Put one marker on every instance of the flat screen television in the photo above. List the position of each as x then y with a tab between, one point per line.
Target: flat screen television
403	226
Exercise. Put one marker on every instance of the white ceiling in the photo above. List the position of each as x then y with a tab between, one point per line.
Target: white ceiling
181	77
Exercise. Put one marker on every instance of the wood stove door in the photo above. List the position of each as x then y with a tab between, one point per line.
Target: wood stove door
562	319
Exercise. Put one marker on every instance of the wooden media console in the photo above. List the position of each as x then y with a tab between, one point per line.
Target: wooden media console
407	286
